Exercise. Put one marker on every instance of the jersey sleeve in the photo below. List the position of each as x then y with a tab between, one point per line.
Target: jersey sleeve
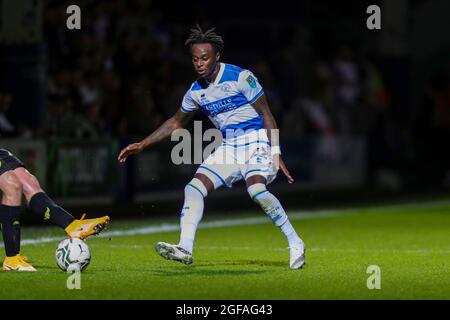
249	86
188	104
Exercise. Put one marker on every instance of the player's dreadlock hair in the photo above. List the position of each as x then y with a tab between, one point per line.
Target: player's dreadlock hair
209	36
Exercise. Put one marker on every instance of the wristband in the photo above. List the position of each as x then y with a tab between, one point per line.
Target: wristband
275	150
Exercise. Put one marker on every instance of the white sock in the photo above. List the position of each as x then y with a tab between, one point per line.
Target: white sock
273	208
192	212
290	234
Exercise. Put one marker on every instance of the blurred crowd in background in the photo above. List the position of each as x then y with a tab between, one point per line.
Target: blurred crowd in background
127	69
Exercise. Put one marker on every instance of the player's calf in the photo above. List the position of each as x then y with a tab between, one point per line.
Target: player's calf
192	212
10	221
268	202
42	205
10	211
39	202
273	208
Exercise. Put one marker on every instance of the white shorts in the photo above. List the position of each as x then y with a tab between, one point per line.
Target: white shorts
244	157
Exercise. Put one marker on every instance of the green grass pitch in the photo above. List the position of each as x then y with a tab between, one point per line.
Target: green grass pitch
248	258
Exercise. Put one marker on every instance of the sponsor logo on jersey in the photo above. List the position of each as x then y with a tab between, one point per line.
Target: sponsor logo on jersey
251	81
220	106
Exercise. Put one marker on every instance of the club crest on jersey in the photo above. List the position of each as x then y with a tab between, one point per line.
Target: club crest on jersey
204	99
225	87
251	81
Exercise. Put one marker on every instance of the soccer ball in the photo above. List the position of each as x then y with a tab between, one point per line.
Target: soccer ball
72	255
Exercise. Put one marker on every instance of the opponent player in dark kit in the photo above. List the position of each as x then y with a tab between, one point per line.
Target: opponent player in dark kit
15	181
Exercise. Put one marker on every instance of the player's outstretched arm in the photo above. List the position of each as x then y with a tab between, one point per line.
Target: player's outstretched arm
262	107
178	120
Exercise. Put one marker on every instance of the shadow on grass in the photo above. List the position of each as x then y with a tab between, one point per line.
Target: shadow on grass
217	268
46	267
203	272
262	263
225	267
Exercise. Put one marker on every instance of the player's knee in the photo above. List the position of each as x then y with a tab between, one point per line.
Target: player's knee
256	190
258	193
30	183
12	188
195	188
32	186
268	202
205	181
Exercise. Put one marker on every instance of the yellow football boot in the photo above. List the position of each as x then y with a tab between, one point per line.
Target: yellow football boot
82	229
17	263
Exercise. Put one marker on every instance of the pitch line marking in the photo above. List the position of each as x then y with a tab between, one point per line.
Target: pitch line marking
312	249
294	215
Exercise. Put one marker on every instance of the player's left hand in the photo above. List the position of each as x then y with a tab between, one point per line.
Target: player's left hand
129	150
279	164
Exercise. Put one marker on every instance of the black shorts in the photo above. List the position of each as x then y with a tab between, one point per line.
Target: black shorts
8	162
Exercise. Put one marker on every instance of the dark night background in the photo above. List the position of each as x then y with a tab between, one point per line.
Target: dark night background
364	114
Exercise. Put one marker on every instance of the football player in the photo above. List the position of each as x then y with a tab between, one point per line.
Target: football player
235	102
15	181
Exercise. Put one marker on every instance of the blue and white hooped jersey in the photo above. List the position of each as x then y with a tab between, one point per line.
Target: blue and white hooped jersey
227	101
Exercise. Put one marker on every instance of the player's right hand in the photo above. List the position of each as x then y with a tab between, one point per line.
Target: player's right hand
279	164
129	150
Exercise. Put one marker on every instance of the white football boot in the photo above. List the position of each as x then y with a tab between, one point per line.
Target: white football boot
297	253
174	252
